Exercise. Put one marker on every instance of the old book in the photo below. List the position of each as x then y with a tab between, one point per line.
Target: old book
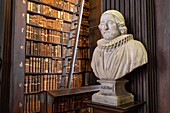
25	105
42	34
37	101
46	65
33	64
32	103
41	65
26	82
48	82
51	82
59	50
28	48
33	84
45	82
41	83
27	65
57	82
38	83
59	66
28	32
29	83
45	35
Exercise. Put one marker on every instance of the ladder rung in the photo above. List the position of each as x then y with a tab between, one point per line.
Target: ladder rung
73	29
62	86
76	13
70	38
77	5
70	47
64	75
74	20
68	56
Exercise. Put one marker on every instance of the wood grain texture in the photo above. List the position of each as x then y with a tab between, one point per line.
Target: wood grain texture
2	19
5	71
17	56
163	54
139	16
94	20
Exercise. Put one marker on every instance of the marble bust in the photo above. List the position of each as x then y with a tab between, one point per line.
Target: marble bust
116	55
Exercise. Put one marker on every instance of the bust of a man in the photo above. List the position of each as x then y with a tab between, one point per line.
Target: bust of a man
117	53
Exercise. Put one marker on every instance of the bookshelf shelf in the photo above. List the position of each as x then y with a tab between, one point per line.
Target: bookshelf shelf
48	73
53	6
32	93
48	28
45	42
39	56
38	26
55	73
46	16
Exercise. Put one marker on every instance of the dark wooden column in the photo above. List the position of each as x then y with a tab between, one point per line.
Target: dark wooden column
139	16
163	54
94	20
17	56
5	35
12	53
2	18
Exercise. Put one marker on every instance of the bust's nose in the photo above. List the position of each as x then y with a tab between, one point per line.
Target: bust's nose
106	27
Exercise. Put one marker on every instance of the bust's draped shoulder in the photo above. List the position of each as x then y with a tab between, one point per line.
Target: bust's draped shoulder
113	60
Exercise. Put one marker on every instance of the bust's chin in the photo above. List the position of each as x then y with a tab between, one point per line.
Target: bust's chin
109	36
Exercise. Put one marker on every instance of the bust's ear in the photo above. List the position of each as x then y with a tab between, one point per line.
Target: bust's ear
123	30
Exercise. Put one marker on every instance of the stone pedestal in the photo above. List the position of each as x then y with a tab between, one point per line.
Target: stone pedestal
113	93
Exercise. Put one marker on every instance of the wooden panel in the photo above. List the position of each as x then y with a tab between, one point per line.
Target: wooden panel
2	2
103	108
139	16
95	13
163	54
5	71
17	56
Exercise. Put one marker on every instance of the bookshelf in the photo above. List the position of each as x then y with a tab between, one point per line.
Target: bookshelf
70	100
48	24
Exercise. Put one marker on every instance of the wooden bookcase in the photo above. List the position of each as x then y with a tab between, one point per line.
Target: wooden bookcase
17	88
48	24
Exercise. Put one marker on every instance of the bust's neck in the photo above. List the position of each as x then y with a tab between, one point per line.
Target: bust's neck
121	38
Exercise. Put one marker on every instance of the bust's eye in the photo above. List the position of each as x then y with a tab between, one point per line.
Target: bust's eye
111	22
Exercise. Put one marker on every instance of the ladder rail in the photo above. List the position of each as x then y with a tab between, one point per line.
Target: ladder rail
75	44
73	36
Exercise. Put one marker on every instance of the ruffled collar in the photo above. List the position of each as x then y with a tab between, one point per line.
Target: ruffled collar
119	40
111	45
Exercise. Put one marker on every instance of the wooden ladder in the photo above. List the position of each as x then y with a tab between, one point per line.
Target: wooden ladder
72	43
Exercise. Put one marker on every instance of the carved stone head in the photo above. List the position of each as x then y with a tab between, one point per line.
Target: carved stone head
112	24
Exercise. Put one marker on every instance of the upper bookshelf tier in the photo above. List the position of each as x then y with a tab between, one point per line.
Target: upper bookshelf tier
58	6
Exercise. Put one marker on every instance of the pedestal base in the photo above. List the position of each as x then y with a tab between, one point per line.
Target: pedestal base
113	93
113	100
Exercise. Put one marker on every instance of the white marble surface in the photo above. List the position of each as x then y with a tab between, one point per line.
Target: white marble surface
113	93
112	100
117	53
